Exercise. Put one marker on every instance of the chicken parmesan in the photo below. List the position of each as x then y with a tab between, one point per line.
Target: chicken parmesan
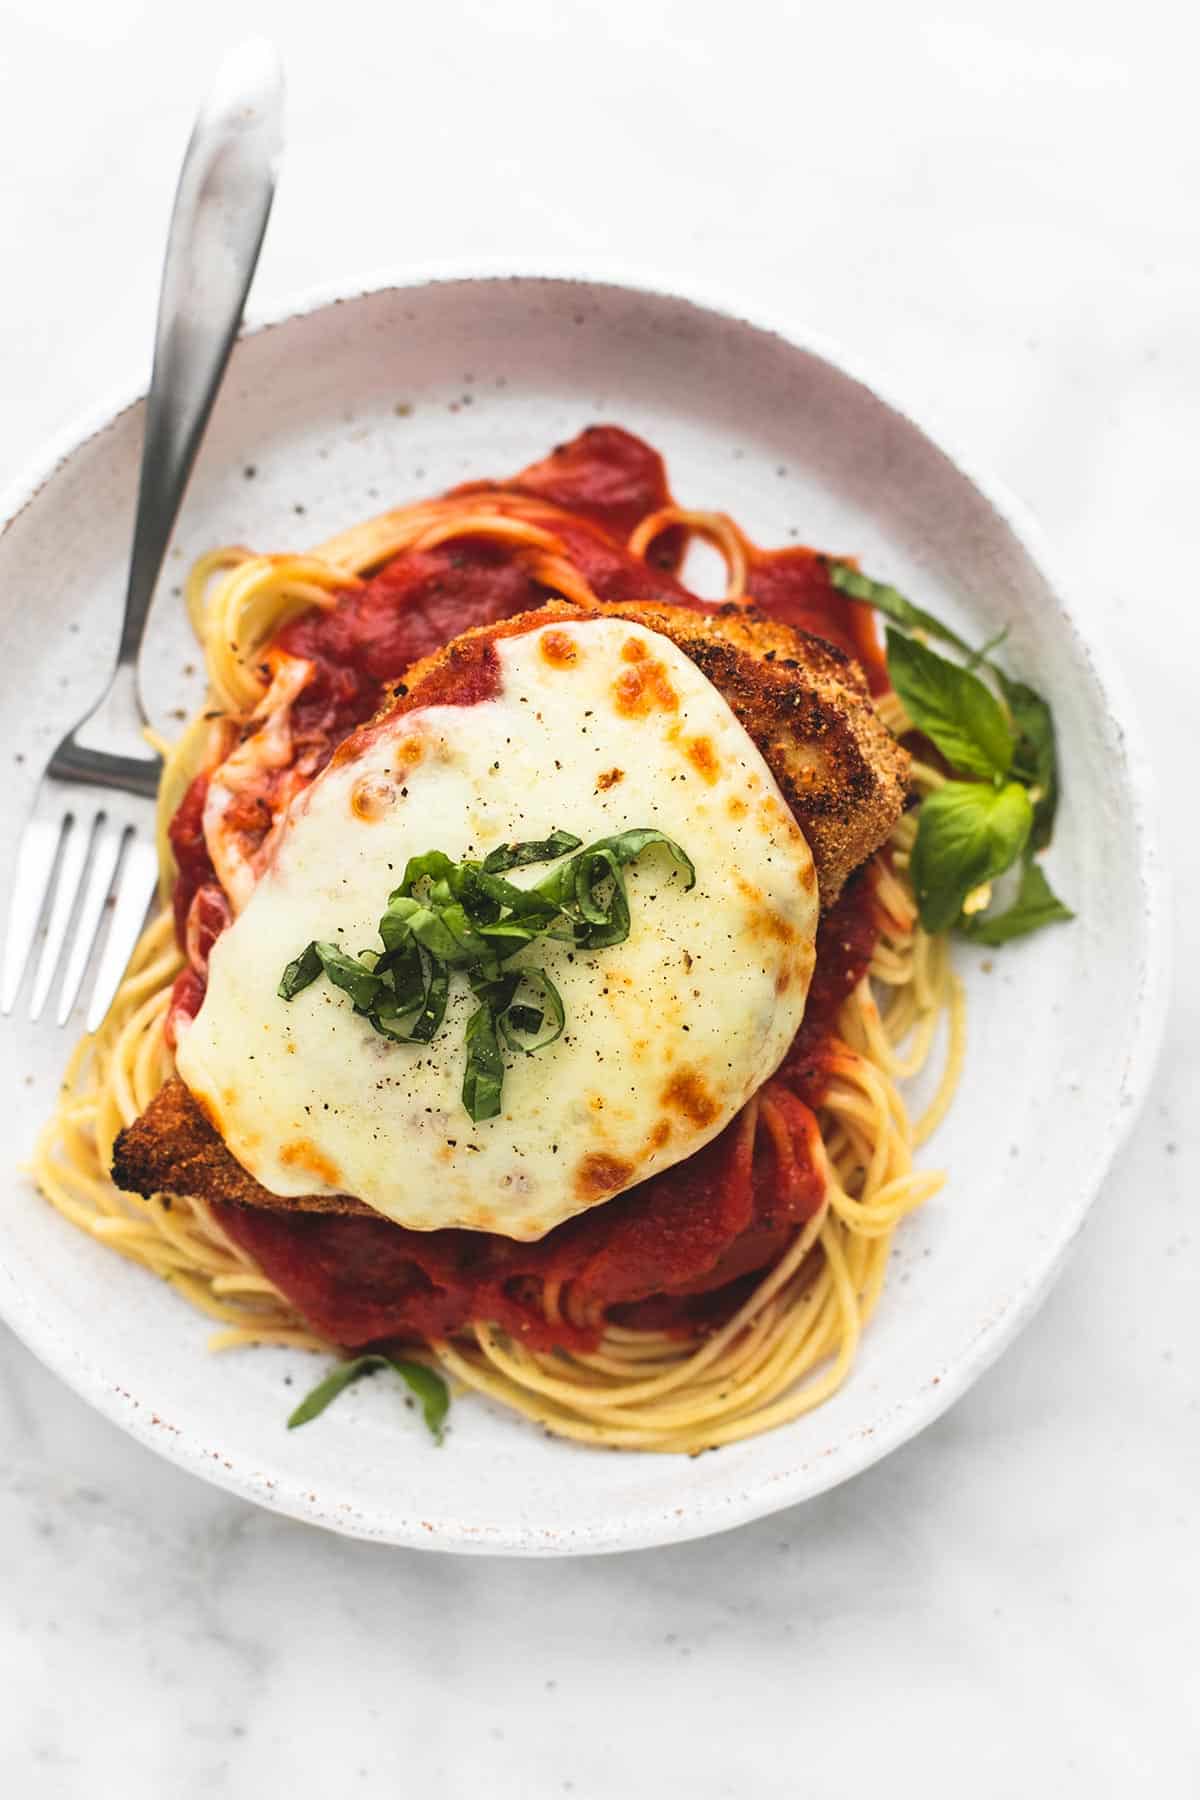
542	945
600	723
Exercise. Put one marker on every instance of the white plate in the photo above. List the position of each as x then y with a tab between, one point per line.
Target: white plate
354	404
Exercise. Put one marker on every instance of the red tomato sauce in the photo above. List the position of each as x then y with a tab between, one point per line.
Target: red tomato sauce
186	833
681	1249
363	1281
608	476
846	938
794	585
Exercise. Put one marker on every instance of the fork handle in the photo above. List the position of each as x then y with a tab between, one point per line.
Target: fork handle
221	208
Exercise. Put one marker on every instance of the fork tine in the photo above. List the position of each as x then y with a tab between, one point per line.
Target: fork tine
76	839
106	849
136	883
35	865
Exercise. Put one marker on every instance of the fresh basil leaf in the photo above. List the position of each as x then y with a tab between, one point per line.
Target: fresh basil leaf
429	1388
951	706
300	973
326	1391
891	604
346	972
425	1384
483	1077
516	856
1036	905
985	650
1036	758
967	832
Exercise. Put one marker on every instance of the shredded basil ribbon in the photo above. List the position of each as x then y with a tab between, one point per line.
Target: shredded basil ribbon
449	915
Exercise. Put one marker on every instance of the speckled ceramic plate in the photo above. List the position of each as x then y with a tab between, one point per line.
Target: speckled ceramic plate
358	402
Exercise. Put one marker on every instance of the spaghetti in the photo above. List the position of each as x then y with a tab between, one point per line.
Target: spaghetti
790	1338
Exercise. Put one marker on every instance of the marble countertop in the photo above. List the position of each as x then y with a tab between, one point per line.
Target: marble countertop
995	204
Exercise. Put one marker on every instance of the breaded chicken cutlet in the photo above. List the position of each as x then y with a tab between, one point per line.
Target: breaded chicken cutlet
803	702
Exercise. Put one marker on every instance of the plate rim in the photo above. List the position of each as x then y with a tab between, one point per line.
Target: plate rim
706	1514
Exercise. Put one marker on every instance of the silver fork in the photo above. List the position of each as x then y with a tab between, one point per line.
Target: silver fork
92	829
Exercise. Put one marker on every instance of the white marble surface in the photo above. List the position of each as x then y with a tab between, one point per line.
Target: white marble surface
997	205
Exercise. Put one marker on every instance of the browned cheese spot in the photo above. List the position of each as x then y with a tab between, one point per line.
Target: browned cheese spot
559	649
736	807
773	925
645	685
687	1092
703	758
210	1109
782	818
371	797
407	754
304	1154
210	1105
661	1134
763	920
599	1175
609	779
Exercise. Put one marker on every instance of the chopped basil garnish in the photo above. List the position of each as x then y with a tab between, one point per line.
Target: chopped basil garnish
590	889
426	1384
446	915
355	978
300	973
515	856
972	830
483	1079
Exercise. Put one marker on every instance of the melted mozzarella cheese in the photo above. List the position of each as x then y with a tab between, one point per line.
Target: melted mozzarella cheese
598	726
